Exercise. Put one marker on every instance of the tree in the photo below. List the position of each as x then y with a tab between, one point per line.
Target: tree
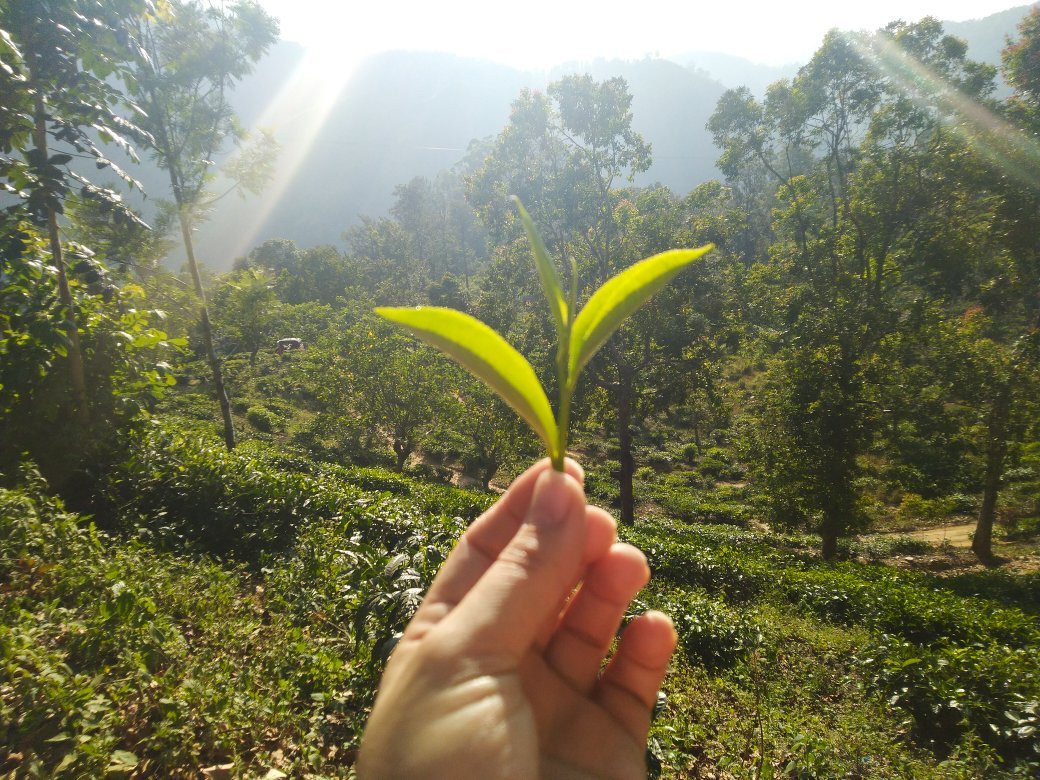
396	388
432	235
809	429
54	61
866	177
192	54
124	347
495	433
1021	63
247	309
565	154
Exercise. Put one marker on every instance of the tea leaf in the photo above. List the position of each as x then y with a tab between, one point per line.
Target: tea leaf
486	355
618	298
551	285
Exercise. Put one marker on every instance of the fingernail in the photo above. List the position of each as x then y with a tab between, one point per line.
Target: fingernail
553	499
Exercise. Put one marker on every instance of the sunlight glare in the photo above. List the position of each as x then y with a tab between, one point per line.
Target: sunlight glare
1013	152
295	115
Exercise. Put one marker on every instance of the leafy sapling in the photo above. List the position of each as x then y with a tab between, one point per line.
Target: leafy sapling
494	361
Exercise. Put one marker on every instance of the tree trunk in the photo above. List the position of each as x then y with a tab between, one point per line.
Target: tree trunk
207	331
489	473
403	451
77	374
996	449
628	466
829	535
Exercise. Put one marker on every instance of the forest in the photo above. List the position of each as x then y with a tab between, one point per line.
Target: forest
824	435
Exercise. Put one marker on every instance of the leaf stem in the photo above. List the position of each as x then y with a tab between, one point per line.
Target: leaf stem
563	381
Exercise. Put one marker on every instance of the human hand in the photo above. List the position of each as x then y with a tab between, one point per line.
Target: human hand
498	675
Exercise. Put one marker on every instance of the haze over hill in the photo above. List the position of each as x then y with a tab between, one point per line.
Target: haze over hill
407	113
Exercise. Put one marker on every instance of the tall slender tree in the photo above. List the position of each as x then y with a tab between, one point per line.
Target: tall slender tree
192	55
567	154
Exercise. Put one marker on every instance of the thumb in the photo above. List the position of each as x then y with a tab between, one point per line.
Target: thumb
504	611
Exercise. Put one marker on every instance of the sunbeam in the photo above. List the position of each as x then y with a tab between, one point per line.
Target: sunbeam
1012	151
296	115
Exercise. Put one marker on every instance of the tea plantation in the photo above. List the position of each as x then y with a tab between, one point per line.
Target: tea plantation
235	608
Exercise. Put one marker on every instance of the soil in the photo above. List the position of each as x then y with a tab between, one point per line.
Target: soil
954	535
952	553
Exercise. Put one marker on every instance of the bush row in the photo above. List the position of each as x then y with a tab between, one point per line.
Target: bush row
956	664
116	660
188	493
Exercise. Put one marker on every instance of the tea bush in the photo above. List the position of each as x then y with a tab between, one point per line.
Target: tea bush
690	508
262	418
117	660
1013	590
911	610
993	690
960	666
711	634
186	493
131	659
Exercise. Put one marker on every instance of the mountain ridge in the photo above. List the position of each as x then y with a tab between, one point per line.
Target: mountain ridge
406	113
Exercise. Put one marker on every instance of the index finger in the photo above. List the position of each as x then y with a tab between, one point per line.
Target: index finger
481	545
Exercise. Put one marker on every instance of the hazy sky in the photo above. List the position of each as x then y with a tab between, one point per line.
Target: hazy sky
540	33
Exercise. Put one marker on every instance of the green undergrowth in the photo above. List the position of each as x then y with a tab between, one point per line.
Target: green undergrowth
238	608
119	660
796	705
187	493
960	669
234	609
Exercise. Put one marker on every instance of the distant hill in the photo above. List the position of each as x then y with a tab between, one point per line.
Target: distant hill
732	71
404	114
987	37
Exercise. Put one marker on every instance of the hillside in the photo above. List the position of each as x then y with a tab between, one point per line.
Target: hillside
407	113
127	653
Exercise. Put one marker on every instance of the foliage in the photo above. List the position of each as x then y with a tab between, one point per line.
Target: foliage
62	56
182	493
190	56
580	335
261	418
955	664
117	659
860	348
711	634
123	343
395	390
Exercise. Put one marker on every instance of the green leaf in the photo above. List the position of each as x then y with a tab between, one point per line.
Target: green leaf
546	270
619	296
122	761
486	355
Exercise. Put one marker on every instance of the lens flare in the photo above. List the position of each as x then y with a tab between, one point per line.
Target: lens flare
1007	148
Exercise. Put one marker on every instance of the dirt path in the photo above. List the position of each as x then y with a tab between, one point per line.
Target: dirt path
956	535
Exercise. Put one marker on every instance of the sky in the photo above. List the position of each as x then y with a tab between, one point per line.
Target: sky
538	34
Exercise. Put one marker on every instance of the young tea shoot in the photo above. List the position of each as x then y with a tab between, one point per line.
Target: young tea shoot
580	334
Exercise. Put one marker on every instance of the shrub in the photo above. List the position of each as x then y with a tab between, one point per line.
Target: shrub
262	418
877	547
711	634
190	493
911	610
115	660
914	507
991	690
1013	590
